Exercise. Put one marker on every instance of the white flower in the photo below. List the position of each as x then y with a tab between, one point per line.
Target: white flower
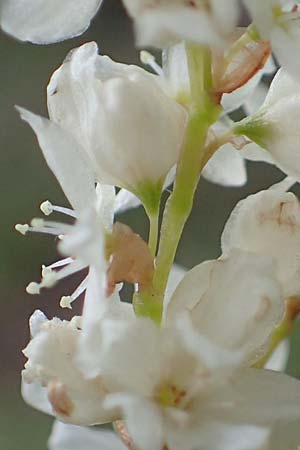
45	21
70	437
274	127
279	22
120	116
93	208
186	393
51	364
236	301
167	21
268	223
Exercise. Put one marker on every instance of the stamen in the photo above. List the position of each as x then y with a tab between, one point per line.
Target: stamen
71	268
47	208
49	279
33	288
22	228
55	265
149	60
66	300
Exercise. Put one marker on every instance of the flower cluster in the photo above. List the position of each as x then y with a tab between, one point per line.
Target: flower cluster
185	363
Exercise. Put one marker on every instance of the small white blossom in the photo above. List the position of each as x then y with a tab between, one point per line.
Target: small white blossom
45	21
120	115
185	392
268	223
51	364
274	127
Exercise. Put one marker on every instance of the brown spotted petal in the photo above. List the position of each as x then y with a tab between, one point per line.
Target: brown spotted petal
130	258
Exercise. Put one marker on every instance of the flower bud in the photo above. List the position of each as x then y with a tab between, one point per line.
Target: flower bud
275	127
268	223
236	301
131	129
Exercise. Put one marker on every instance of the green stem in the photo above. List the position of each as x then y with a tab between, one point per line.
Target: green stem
153	232
179	205
280	333
203	113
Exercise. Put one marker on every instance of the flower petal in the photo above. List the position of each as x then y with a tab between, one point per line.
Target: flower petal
279	359
66	159
220	436
51	363
71	437
42	21
236	302
226	167
143	420
253	399
36	396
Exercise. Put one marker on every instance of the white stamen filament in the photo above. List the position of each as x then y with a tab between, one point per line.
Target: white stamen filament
149	60
66	301
56	264
48	208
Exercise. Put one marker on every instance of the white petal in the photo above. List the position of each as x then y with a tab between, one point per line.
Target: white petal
51	363
71	437
236	302
66	159
220	436
176	73
285	436
170	24
226	167
126	200
279	359
106	197
36	396
262	397
93	311
286	45
267	223
254	152
176	275
36	321
143	420
42	21
124	341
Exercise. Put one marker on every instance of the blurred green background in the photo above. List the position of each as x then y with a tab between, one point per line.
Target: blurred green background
26	181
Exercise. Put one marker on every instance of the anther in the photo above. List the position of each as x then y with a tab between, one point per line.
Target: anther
46	207
46	271
149	60
22	228
146	57
33	288
65	302
37	223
